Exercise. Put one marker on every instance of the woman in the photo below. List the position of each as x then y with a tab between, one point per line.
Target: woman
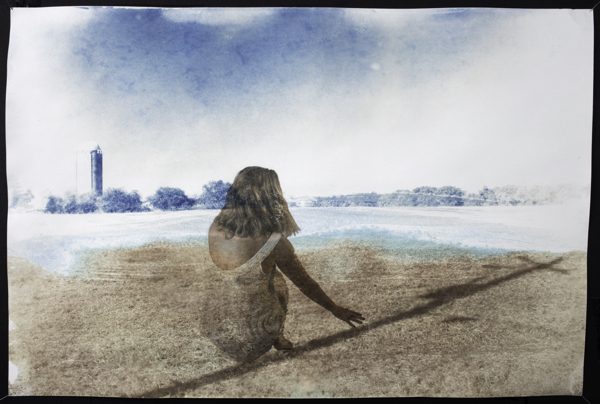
248	242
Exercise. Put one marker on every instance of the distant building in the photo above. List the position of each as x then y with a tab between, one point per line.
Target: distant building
96	159
301	201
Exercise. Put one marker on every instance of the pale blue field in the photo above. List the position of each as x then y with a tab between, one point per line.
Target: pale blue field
56	241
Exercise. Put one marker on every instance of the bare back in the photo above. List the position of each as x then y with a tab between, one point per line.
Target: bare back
228	254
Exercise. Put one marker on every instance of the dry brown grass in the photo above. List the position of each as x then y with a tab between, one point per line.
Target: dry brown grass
502	325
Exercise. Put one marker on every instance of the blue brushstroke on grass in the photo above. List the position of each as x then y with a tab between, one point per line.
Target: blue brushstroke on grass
402	246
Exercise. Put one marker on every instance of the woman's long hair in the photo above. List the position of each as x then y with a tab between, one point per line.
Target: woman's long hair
255	206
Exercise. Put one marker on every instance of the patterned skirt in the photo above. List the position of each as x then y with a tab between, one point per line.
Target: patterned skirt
244	312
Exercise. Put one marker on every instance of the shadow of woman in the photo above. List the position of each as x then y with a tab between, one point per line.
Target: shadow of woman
435	299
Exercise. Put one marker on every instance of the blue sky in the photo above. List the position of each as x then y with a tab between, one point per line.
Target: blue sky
336	100
135	52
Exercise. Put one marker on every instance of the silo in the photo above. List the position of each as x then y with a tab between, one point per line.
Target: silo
96	159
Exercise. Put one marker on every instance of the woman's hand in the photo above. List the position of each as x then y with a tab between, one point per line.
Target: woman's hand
347	315
290	265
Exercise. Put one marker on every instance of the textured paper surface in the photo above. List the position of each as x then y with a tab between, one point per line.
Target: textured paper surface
436	160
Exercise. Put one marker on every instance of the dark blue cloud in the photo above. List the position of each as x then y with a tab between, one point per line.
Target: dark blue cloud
140	52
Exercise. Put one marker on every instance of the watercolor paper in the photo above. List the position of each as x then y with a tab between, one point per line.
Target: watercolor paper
437	162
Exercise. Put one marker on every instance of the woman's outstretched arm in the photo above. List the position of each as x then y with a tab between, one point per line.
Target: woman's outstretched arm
290	265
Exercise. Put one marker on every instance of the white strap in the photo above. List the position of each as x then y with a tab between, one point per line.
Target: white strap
265	250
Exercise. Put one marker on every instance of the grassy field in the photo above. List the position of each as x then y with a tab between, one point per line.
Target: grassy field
462	326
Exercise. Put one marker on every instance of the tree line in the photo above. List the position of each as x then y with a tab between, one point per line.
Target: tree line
214	193
445	196
116	200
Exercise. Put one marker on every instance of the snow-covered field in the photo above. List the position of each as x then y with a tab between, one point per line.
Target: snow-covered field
55	241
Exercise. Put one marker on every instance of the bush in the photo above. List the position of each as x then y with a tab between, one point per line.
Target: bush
117	200
451	196
213	194
54	205
87	204
171	199
426	196
71	205
488	196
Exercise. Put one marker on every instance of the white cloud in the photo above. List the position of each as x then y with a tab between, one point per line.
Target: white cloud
388	19
50	19
218	16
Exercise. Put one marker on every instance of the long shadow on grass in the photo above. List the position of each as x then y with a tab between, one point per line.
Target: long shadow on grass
436	299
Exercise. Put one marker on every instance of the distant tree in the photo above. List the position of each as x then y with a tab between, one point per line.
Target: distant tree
335	201
401	197
21	199
451	196
318	202
87	204
386	200
167	198
71	205
83	204
338	201
426	196
509	194
488	196
213	194
365	199
54	205
370	199
473	200
117	200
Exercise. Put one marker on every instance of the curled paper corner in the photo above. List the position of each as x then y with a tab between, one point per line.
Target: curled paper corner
13	372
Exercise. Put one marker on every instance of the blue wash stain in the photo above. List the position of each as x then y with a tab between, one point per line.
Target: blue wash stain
142	53
404	246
